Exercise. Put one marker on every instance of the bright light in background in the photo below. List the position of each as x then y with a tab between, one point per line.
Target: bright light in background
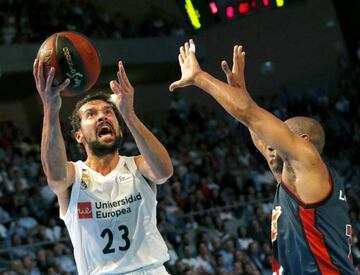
213	7
193	14
279	3
267	68
243	7
265	3
229	11
253	4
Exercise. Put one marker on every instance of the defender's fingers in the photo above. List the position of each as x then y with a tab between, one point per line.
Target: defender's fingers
235	53
181	60
174	85
35	68
182	52
192	47
225	67
187	46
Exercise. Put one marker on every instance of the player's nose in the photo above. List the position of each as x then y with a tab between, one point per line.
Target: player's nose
101	117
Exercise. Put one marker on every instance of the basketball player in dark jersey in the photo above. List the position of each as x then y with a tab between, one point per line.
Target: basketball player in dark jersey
311	231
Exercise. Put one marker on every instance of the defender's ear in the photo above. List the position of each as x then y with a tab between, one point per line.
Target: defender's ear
305	136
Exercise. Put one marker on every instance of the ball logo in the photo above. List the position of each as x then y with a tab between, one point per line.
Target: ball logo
72	74
84	210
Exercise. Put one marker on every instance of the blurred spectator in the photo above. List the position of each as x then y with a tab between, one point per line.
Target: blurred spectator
20	21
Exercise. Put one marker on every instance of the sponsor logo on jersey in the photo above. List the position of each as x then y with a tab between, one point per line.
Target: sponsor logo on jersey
276	212
342	195
121	178
85	180
84	210
110	209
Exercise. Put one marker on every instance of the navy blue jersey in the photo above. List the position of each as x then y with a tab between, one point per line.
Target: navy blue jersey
312	238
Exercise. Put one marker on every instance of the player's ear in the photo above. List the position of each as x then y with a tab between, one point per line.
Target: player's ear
79	136
305	136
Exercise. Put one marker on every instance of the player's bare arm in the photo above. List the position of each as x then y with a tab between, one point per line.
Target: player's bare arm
236	78
154	162
296	152
59	172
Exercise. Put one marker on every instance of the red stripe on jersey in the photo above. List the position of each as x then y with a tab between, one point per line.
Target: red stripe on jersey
316	243
275	266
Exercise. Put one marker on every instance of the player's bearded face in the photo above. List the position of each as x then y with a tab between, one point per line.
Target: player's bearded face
107	140
100	131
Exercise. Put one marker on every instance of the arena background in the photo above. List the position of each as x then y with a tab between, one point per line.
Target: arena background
301	59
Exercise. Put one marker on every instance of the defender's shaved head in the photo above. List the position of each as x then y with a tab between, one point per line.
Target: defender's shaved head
308	126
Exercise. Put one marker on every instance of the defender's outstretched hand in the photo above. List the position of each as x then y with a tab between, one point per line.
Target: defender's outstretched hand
123	91
235	77
188	64
50	95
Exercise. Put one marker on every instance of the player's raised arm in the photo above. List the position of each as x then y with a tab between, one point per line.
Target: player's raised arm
236	78
240	105
58	171
154	161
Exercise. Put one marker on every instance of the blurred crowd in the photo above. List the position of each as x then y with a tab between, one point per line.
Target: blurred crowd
23	21
214	213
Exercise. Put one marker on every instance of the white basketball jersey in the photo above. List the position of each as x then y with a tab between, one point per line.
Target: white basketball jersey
112	221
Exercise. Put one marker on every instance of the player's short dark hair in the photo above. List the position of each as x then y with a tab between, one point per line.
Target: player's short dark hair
307	125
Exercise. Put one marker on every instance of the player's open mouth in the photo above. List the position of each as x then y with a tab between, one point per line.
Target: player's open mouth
104	130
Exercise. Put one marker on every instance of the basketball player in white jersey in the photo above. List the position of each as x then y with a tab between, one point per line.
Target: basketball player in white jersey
106	203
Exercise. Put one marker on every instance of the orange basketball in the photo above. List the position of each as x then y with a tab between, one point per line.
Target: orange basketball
73	56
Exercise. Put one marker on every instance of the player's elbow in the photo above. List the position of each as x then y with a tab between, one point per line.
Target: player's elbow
56	186
168	172
164	174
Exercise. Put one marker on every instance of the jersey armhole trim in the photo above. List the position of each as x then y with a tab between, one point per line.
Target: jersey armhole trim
313	204
130	162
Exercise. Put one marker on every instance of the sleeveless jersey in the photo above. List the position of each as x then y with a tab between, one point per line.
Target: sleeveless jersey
112	221
311	239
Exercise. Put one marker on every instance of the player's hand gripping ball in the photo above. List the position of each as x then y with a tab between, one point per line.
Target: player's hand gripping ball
73	56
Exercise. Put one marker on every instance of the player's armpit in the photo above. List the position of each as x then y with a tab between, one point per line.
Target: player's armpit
259	144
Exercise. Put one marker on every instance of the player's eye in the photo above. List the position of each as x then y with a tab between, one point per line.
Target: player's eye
89	114
108	112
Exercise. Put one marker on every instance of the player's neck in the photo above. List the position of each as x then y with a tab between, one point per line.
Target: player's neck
103	165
